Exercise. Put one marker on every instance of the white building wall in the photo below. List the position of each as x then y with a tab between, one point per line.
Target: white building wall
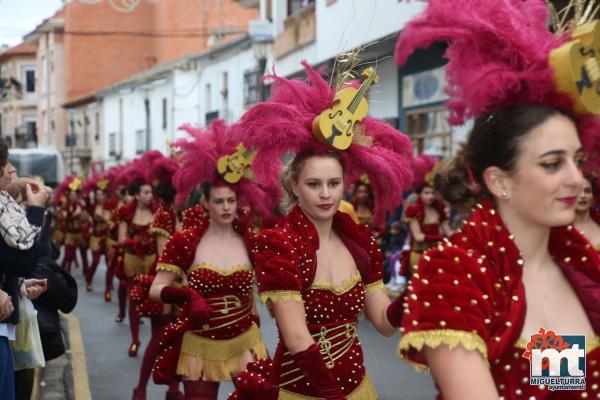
235	63
124	114
185	107
342	26
383	97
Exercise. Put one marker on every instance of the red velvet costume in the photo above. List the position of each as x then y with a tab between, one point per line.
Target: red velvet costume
140	245
73	218
469	292
138	253
432	232
112	253
216	349
97	241
285	259
595	214
164	223
58	228
193	216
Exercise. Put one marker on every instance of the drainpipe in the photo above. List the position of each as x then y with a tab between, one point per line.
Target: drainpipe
148	132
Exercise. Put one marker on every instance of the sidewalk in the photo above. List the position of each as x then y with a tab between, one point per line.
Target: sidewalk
66	377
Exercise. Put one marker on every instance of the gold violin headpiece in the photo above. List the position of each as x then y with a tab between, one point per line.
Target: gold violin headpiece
235	166
75	184
576	63
102	184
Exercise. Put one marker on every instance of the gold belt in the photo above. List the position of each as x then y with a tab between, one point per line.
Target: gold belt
330	351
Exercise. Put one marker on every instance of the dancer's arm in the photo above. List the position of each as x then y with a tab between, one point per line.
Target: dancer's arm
461	374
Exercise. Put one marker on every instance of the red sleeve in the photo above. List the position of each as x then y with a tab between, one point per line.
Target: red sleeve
413	211
375	278
448	302
193	217
163	223
276	264
122	214
179	252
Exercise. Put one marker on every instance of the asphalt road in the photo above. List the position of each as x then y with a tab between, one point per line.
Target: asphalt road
113	374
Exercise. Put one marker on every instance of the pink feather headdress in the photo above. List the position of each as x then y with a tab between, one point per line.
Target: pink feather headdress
160	168
282	125
131	173
199	155
70	183
498	55
422	167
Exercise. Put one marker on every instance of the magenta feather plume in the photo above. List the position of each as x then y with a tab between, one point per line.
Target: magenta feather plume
89	185
199	156
497	54
159	168
422	165
282	125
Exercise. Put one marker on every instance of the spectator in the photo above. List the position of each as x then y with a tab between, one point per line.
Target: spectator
17	256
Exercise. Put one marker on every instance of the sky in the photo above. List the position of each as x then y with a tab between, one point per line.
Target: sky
20	17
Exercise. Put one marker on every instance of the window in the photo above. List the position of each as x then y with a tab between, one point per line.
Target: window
429	130
112	144
208	97
225	88
29	81
164	114
296	5
86	133
210	117
140	141
250	87
97	128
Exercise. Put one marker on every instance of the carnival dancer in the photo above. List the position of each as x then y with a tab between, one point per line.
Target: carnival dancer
125	178
363	202
517	272
115	201
164	224
137	244
587	219
426	218
73	214
100	216
217	331
318	270
58	224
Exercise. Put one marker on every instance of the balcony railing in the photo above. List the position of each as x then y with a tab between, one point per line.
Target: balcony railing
300	30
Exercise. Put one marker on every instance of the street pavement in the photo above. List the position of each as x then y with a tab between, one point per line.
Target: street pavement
113	374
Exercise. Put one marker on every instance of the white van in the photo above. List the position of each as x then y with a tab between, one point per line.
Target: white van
45	163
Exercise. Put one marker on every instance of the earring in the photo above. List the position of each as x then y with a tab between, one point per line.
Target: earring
504	195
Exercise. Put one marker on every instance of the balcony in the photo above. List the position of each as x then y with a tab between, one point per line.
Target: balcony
300	29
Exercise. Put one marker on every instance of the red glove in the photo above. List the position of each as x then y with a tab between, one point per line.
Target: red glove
313	367
395	312
432	237
195	304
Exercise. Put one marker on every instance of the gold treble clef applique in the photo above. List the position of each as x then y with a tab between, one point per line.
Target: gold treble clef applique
229	302
325	345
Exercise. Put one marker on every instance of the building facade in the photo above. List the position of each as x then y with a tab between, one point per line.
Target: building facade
18	105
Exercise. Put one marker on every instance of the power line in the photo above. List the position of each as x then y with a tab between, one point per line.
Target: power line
205	33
